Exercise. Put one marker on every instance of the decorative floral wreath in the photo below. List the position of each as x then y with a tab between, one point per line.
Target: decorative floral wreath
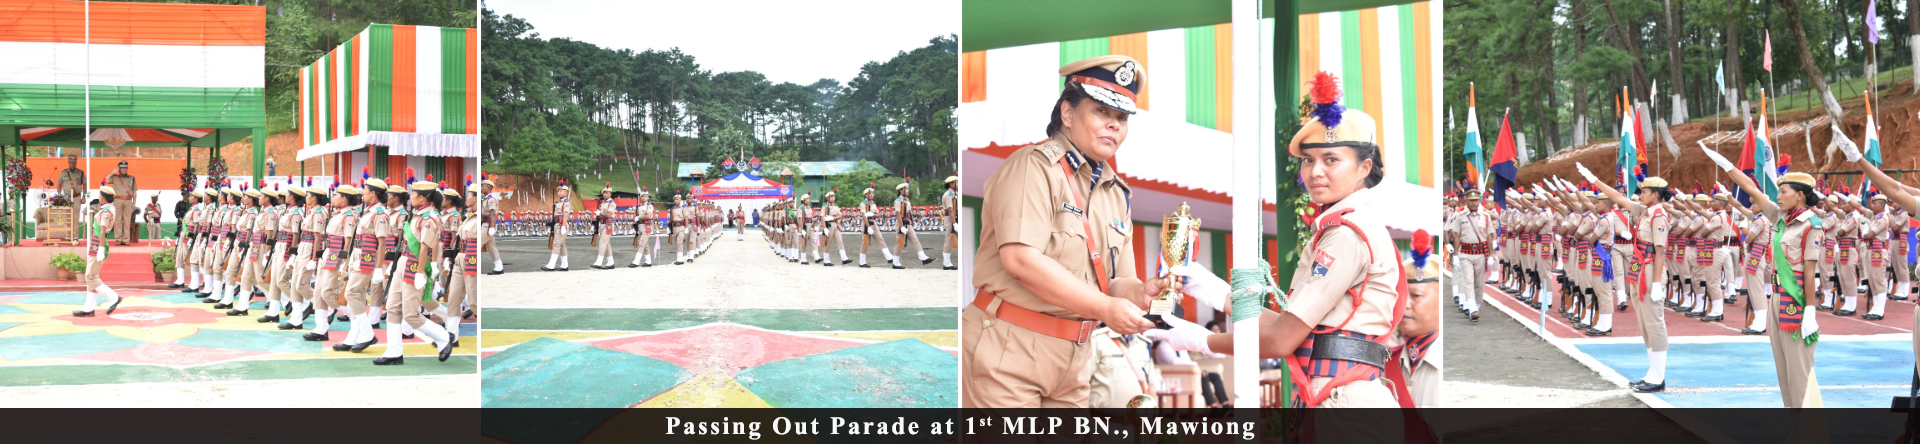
216	171
19	178
187	180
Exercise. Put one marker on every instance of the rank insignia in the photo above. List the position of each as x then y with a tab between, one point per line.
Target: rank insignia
1321	262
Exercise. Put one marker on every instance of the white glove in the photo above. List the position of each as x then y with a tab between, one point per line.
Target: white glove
1717	158
311	264
1185	336
493	231
379	275
1846	145
1584	172
1808	325
1202	285
1657	289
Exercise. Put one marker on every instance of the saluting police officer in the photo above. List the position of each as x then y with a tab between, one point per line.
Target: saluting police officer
1472	236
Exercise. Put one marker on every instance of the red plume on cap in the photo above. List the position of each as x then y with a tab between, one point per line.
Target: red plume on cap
366	173
410	179
1325	89
1421	245
469	179
430	177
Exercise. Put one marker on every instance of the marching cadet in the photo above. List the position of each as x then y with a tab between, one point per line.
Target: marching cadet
1876	263
643	232
1472	232
363	266
490	222
101	223
189	242
603	225
312	222
399	213
420	239
1795	331
463	293
902	206
253	275
279	262
557	241
123	208
1645	274
341	226
213	225
152	217
235	270
270	276
830	221
949	223
1039	299
677	217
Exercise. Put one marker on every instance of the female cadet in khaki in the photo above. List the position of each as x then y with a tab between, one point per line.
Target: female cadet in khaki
1907	197
830	215
1348	287
306	260
1646	274
870	228
462	294
217	231
1794	242
364	265
97	249
1876	257
603	230
287	227
270	276
240	293
949	223
558	240
419	245
341	227
1055	256
903	207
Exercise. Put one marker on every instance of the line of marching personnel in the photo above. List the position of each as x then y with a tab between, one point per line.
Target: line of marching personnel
349	253
807	235
691	226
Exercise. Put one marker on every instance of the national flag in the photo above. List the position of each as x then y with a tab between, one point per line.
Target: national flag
1476	160
1628	156
148	65
1768	176
392	79
1504	169
1872	146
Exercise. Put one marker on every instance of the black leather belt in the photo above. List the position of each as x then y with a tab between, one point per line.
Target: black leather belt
1347	348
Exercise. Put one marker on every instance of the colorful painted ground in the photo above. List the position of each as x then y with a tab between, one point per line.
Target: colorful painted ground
163	336
640	357
1858	363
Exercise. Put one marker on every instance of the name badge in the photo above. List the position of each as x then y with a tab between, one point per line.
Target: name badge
1068	207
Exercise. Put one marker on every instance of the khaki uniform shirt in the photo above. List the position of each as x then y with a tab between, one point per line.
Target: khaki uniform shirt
1116	370
1341	261
1029	201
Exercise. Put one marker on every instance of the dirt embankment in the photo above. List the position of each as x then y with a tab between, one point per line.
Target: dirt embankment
529	193
1899	138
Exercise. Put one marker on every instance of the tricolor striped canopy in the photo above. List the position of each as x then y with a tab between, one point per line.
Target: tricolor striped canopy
414	89
143	65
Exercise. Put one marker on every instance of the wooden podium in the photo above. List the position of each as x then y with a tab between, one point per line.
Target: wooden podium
58	229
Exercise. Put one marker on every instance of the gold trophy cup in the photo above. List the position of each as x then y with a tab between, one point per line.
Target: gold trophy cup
1176	243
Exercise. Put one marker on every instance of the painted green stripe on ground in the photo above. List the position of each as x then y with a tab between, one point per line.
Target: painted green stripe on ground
380	78
453	80
656	319
245	370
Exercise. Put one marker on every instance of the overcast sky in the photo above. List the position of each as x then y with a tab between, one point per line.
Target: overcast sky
788	41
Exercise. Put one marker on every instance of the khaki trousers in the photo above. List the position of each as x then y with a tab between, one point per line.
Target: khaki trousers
1473	276
1005	365
1792	358
1651	315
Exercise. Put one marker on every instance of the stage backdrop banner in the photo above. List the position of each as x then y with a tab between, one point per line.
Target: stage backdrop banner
149	174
